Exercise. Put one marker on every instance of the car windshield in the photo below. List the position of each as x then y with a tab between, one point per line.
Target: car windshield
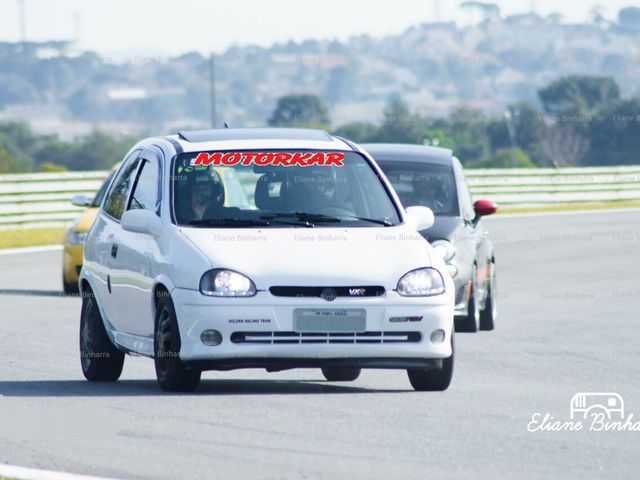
426	184
272	189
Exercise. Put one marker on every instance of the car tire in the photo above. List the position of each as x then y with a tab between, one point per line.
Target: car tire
100	359
434	380
471	322
171	372
69	288
490	312
341	374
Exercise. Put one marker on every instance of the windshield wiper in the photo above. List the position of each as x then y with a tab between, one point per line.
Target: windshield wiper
230	221
245	222
384	222
320	217
304	216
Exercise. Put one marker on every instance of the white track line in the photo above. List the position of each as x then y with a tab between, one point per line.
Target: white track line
44	248
24	473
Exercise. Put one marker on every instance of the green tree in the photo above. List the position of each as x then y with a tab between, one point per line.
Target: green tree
8	164
526	123
401	126
578	95
300	110
358	131
467	128
53	152
52	167
19	142
504	158
615	134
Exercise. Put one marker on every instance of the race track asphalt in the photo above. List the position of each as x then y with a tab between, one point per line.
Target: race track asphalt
569	298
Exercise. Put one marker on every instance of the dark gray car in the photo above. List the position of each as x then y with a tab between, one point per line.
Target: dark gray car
434	178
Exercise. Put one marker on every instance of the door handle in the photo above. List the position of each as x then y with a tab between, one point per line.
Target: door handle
114	250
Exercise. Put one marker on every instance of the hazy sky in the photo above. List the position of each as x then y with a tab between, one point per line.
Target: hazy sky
110	26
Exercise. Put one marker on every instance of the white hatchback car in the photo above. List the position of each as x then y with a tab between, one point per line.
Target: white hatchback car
261	248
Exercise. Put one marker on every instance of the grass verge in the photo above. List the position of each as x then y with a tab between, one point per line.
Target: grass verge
31	237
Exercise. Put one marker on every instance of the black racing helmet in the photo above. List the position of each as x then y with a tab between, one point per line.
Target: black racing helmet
190	177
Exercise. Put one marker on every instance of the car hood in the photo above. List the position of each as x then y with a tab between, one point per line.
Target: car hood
443	228
315	257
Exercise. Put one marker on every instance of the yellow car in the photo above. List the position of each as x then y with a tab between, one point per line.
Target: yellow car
75	236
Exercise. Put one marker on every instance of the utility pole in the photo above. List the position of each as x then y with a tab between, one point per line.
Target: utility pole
22	22
212	90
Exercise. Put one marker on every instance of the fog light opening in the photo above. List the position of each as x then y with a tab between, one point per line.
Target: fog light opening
211	338
405	319
437	336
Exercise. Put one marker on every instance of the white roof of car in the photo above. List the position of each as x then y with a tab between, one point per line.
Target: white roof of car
257	138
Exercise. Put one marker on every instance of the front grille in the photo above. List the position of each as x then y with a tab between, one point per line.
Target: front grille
275	338
318	292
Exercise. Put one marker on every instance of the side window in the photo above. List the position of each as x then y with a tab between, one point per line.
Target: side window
145	192
116	201
97	200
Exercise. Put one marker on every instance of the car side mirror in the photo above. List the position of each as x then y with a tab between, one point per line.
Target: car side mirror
484	207
81	200
141	221
420	217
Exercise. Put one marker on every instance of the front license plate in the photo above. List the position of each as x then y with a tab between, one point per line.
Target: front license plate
328	320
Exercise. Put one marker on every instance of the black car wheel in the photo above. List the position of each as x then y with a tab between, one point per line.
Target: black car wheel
69	288
470	322
101	361
171	373
340	374
434	380
489	312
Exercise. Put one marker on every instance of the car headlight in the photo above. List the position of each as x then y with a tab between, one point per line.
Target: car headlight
226	283
423	282
76	238
445	249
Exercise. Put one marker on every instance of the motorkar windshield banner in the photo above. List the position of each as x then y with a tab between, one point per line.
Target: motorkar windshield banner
284	159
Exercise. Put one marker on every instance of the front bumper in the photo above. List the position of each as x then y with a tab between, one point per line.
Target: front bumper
384	344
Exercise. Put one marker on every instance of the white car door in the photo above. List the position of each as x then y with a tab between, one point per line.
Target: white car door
134	267
109	227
